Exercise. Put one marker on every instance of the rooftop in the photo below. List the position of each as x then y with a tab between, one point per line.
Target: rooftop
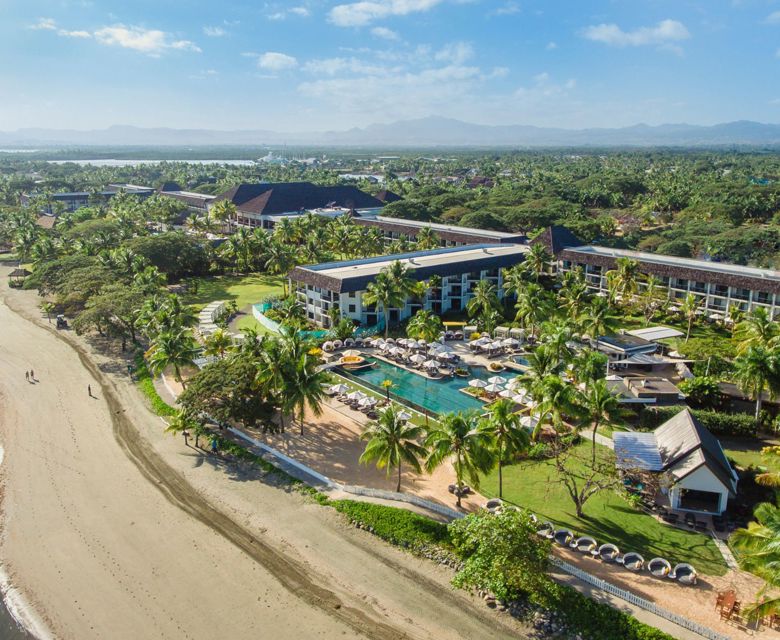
485	233
672	261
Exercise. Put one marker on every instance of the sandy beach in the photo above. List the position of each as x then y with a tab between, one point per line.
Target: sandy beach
112	529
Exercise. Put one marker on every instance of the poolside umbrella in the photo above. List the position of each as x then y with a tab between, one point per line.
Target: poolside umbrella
403	341
368	401
514	383
356	396
338	388
445	356
397	351
327	346
417	358
497	380
352	353
390	340
386	346
529	422
493	388
510	342
520	398
431	364
477	383
506	393
377	342
403	415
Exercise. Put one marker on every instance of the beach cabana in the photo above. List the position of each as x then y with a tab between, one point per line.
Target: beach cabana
328	346
684	574
563	537
584	544
476	383
659	567
608	552
633	561
516	333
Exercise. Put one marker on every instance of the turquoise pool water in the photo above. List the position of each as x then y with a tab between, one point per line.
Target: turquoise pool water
437	396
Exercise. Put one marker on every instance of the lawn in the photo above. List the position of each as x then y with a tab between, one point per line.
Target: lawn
245	290
608	516
747	452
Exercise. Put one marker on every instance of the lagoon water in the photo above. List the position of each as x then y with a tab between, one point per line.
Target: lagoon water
113	162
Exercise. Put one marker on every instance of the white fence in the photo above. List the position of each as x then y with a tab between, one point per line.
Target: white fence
704	632
403	497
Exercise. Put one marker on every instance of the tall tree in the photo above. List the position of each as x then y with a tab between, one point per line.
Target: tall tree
689	308
600	406
623	280
509	436
758	370
425	325
175	349
393	441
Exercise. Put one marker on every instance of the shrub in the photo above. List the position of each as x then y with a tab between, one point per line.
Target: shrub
702	392
396	526
146	384
717	422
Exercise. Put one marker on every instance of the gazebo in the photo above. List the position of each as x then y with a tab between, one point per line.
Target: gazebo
18	274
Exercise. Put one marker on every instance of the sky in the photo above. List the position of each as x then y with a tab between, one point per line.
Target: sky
314	65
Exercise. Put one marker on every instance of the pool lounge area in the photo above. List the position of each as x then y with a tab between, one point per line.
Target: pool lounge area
435	396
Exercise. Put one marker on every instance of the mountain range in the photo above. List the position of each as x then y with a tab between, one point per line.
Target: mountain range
423	132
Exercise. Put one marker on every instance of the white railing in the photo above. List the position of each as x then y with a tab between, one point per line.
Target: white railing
685	623
403	497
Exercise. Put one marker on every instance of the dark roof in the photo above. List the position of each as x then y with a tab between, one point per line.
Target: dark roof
273	198
387	196
685	445
170	186
480	181
627	343
556	239
19	273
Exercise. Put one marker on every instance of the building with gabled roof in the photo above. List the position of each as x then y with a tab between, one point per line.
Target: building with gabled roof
696	470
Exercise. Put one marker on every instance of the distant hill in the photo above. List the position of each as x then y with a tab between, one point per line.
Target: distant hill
422	132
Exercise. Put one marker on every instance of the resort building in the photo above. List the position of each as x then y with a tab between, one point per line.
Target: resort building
715	284
339	287
196	202
70	201
450	235
264	204
694	473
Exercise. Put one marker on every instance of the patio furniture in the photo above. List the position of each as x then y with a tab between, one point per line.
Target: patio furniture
671	518
701	526
690	520
563	537
584	544
493	505
684	574
547	530
633	561
608	552
659	567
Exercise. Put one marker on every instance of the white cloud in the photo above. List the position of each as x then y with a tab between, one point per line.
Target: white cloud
384	33
455	52
551	45
359	14
499	72
153	42
74	34
301	12
334	66
665	33
275	61
508	9
214	32
44	24
773	18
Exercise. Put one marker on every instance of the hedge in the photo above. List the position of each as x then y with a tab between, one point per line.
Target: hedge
718	423
146	383
396	526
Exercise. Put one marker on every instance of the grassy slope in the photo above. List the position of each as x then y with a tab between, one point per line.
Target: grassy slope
608	517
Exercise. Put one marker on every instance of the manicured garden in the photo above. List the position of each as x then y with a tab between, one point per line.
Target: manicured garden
244	290
609	517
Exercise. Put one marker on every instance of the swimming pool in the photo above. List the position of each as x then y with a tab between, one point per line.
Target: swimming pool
437	396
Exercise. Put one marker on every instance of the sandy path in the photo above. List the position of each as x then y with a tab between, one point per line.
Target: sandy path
108	534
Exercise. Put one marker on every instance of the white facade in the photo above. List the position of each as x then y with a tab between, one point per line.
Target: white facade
700	480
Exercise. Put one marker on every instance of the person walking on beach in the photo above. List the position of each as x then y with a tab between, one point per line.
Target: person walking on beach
32	375
89	390
27	376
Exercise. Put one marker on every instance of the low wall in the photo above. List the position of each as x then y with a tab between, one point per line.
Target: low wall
264	320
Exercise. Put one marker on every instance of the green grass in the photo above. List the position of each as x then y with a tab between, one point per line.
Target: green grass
146	384
245	290
747	452
249	322
608	516
7	257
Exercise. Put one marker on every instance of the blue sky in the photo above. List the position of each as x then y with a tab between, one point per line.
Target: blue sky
319	64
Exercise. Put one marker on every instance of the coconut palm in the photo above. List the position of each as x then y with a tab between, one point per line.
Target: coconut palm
425	325
758	370
538	259
304	385
389	289
461	439
598	319
427	238
757	329
623	280
573	292
758	547
509	436
556	400
280	259
218	343
589	365
175	349
558	334
600	406
532	306
734	316
689	307
516	278
651	298
393	441
223	211
484	298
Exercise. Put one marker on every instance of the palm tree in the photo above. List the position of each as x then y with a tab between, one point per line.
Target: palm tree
651	297
574	292
689	307
515	279
556	399
757	329
623	280
223	211
538	259
484	298
509	436
533	306
598	318
734	315
758	370
280	260
759	552
386	291
425	325
557	334
600	406
427	238
589	365
218	343
305	386
460	438
392	441
172	349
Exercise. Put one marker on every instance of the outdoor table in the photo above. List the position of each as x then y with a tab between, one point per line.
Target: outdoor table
727	604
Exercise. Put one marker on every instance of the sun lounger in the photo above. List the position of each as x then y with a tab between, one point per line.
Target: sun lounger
608	552
547	530
563	537
584	544
684	574
633	561
659	567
